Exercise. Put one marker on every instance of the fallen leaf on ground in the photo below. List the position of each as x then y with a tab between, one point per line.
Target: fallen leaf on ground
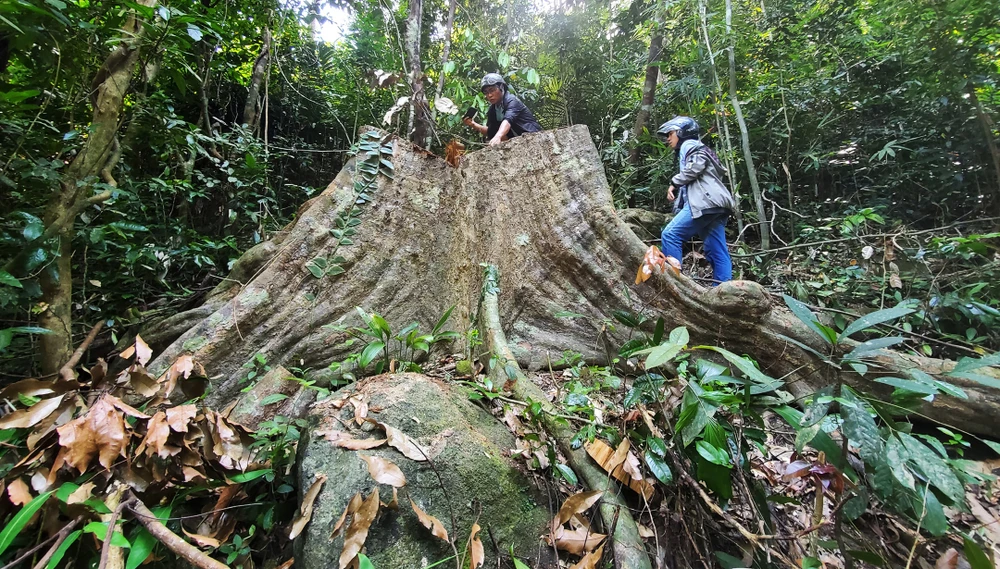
81	494
644	531
352	506
140	349
287	564
18	492
430	522
202	540
27	418
402	442
179	417
578	541
306	509
360	403
631	466
344	440
948	560
476	553
394	503
101	433
181	368
384	471
577	504
357	532
157	432
604	454
589	560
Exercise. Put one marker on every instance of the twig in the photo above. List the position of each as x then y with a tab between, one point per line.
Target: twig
57	537
66	371
916	539
60	538
169	539
112	522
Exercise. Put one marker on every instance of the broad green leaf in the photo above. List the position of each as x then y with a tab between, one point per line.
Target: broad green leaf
806	435
802	312
100	530
658	331
662	354
927	507
909	385
867	557
818	408
969	364
895	458
272	399
868	346
859	426
696	414
976	377
876	318
659	468
657	446
857	505
748	369
9	280
21	519
370	352
64	547
381	323
194	31
935	469
443	320
679	335
364	562
976	556
821	442
712	454
993	445
252	475
567	473
728	561
518	564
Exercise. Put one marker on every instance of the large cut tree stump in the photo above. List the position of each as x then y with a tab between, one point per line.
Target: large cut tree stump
538	208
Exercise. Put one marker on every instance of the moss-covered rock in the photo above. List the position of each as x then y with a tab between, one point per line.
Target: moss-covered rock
467	448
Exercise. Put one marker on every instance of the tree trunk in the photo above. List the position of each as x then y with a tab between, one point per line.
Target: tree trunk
649	85
758	198
251	112
987	124
559	246
447	51
98	154
420	126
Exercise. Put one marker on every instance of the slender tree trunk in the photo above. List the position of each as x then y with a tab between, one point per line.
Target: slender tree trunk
101	149
447	51
721	115
987	123
251	114
649	85
765	226
206	119
420	126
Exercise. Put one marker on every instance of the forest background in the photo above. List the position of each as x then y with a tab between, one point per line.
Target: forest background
146	146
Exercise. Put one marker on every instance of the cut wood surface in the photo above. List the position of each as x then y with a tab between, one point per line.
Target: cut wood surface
538	208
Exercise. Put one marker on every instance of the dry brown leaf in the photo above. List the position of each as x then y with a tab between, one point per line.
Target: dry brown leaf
402	442
157	432
617	459
577	504
430	522
578	541
394	503
202	540
287	564
306	508
631	466
81	494
590	560
344	440
352	506
18	492
384	471
182	367
476	553
27	418
30	387
125	408
603	454
101	433
179	417
140	380
991	524
228	444
140	349
357	532
948	560
360	403
644	531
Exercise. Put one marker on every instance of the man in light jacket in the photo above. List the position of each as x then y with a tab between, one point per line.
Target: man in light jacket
705	203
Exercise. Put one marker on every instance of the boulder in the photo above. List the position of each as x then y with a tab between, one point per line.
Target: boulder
469	477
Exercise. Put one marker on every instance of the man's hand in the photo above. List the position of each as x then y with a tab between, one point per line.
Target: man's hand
670	193
467	121
496	140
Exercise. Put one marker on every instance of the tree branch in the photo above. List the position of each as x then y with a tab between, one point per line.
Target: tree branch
169	539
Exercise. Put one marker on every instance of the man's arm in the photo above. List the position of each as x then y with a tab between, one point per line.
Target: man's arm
501	133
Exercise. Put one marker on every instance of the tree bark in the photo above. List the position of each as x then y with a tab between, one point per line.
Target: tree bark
558	245
251	114
419	124
758	198
649	84
447	50
110	86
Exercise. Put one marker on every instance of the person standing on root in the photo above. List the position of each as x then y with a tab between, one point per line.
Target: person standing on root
704	204
507	117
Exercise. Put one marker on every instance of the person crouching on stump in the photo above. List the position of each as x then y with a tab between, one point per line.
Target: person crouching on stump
704	204
507	117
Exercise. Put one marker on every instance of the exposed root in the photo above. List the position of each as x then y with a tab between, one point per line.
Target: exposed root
629	551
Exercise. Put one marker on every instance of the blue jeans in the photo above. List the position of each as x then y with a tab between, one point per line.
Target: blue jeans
711	228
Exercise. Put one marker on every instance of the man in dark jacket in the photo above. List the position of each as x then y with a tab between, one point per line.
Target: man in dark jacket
507	117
